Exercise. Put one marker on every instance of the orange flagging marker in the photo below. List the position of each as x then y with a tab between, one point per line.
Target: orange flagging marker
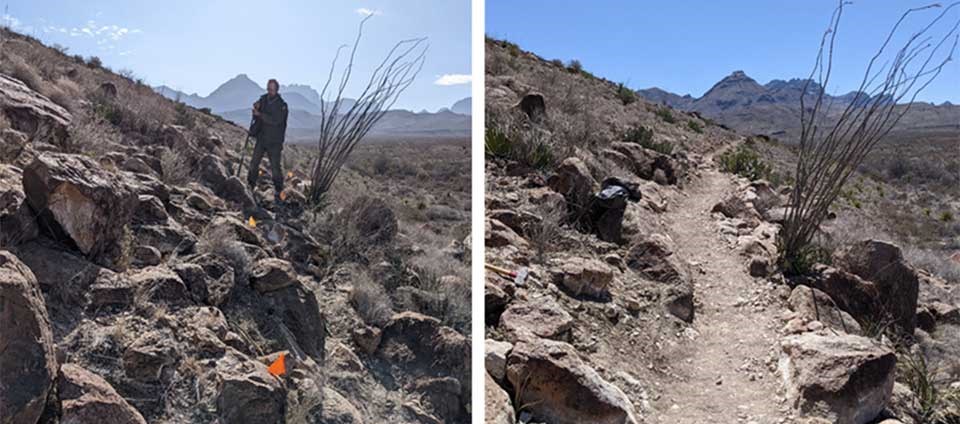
278	367
252	222
283	195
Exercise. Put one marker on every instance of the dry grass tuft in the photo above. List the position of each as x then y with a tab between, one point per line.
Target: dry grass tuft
370	301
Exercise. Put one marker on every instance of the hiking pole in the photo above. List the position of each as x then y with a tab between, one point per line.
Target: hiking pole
246	142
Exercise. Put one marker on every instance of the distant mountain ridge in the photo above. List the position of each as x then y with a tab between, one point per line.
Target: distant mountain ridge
233	99
740	102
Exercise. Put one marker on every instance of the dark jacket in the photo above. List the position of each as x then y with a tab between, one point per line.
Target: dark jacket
271	127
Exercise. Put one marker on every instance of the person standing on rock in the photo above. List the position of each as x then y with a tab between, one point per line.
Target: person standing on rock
269	128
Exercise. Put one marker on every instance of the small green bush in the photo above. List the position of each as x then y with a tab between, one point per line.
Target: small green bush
639	134
666	115
746	163
625	94
946	216
575	66
644	136
803	263
695	127
94	62
536	153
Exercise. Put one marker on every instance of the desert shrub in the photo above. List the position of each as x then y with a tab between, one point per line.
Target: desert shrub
91	134
946	216
64	92
575	66
745	162
625	94
531	151
803	263
370	301
935	262
175	167
639	134
932	402
644	137
665	115
381	164
544	234
26	73
222	241
94	62
557	62
183	117
695	127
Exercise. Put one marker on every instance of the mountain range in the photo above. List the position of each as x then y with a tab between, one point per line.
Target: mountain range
233	99
741	103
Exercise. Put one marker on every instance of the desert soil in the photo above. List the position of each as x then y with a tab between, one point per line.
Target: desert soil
726	376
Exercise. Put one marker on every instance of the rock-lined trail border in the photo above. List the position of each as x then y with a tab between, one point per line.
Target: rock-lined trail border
726	375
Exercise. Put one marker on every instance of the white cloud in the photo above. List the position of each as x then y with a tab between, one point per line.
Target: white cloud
367	12
453	79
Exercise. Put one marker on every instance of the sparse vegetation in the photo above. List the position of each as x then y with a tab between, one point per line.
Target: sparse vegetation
695	127
932	401
745	162
544	234
575	66
371	301
534	152
828	156
626	94
175	167
666	115
639	134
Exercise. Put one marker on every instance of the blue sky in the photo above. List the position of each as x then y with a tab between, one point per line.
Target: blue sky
195	46
686	46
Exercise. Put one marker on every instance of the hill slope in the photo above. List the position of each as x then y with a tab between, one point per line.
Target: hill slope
141	281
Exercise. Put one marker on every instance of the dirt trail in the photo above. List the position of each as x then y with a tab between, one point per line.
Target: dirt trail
724	377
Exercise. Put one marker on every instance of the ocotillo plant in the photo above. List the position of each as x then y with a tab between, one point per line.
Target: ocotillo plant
833	145
341	130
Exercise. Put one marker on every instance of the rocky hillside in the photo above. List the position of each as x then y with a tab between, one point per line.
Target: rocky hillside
633	275
141	281
773	109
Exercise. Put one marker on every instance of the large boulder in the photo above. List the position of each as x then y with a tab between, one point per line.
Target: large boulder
844	378
31	113
77	200
28	364
86	398
559	388
573	180
897	283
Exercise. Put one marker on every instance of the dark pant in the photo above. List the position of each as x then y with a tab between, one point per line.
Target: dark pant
276	169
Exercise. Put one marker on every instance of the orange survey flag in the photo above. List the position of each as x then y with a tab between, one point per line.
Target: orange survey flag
278	367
